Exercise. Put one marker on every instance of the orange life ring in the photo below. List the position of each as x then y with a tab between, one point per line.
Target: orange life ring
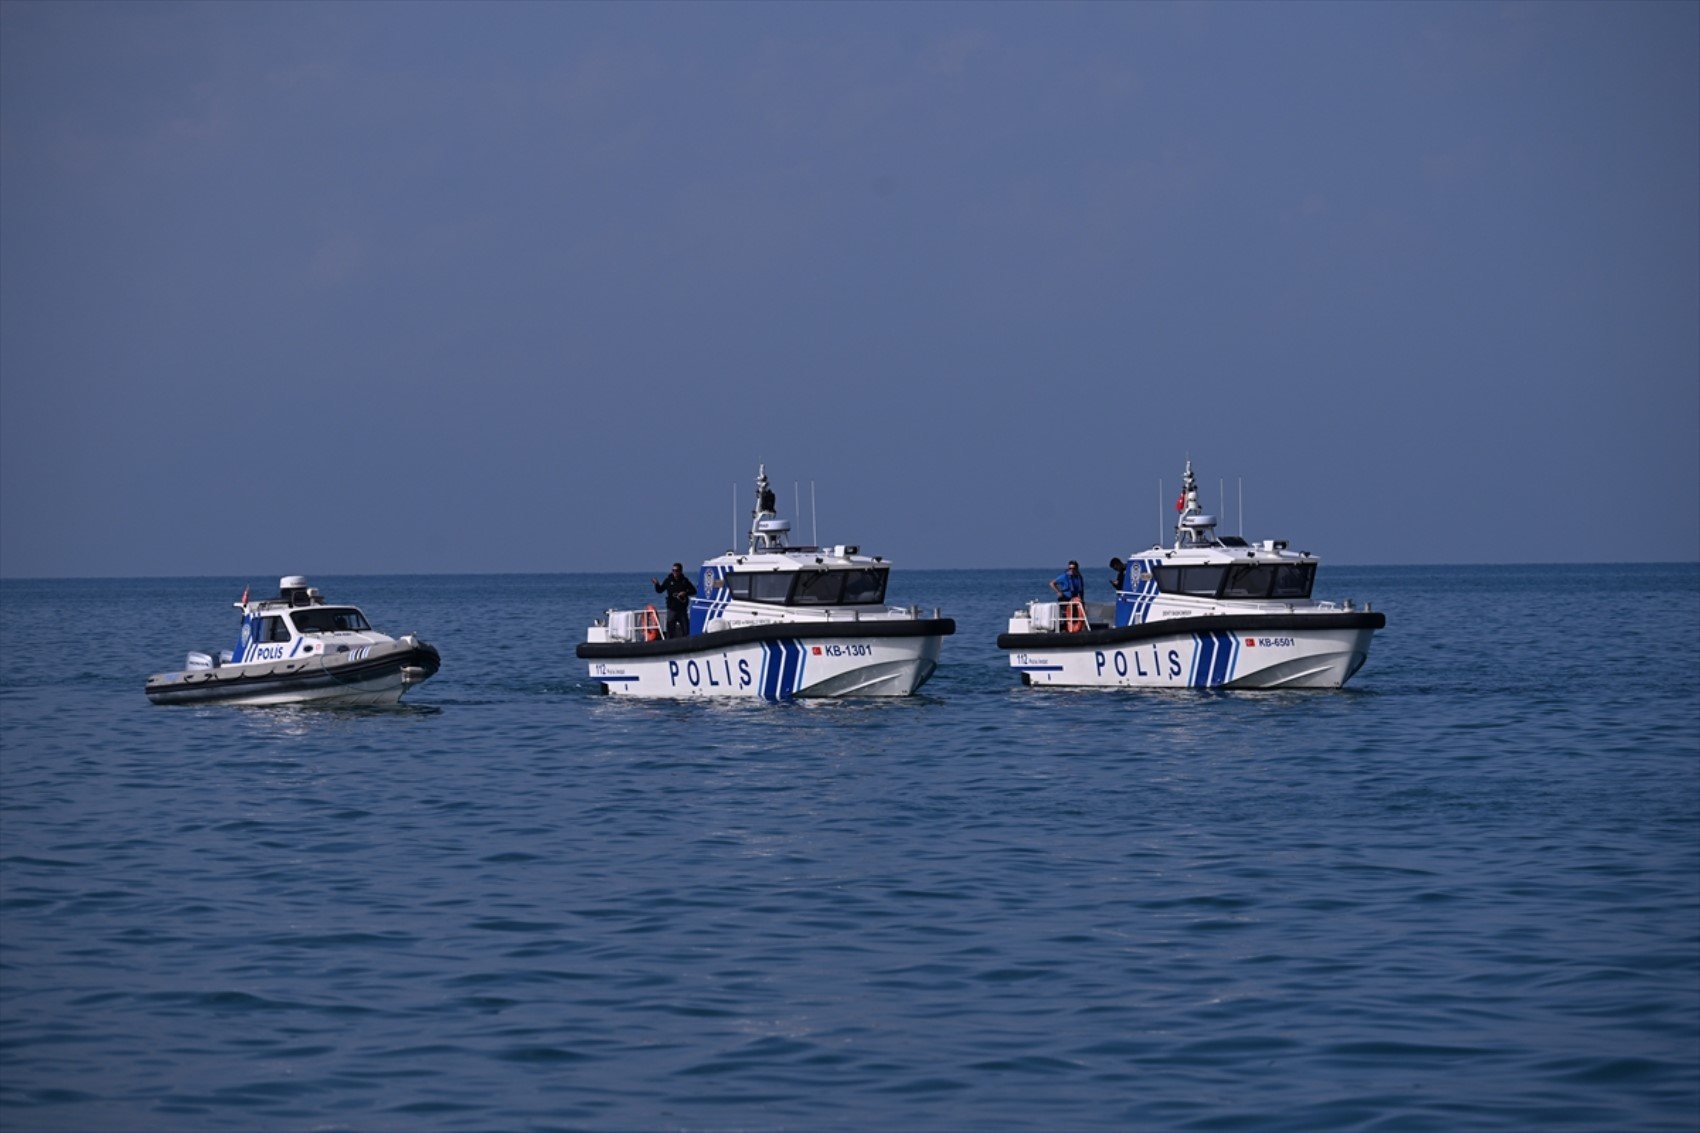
651	622
1074	616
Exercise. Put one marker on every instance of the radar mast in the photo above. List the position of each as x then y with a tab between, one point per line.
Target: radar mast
767	530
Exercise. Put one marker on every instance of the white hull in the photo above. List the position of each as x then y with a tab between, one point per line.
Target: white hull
376	674
780	669
387	690
298	649
1209	612
1227	659
774	623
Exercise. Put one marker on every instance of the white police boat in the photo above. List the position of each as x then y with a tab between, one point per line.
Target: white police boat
296	649
775	623
1209	612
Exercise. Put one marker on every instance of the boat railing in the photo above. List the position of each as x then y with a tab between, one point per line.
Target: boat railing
874	613
633	625
1071	616
646	624
747	615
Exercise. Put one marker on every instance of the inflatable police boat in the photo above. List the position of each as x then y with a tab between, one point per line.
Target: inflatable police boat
297	649
1209	612
776	622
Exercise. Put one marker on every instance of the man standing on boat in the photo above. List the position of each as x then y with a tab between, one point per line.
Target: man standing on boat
679	591
1069	585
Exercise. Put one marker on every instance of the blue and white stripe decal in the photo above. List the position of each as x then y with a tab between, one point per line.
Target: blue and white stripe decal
781	669
249	639
1213	658
1133	605
713	596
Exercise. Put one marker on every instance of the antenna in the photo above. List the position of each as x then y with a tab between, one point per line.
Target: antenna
734	545
814	518
1242	507
1222	494
1160	499
796	502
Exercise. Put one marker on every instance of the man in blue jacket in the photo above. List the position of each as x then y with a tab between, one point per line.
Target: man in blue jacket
1069	584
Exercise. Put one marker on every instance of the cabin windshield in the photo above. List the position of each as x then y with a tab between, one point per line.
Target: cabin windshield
1294	580
1239	580
839	588
865	587
329	619
862	587
817	588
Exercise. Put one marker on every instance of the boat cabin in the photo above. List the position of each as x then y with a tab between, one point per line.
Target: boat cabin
1203	564
297	622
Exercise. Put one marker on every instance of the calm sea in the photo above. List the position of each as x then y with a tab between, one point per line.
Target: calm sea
1462	894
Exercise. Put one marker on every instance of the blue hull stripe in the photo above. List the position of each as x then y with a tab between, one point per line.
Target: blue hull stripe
1226	649
793	678
781	669
1213	659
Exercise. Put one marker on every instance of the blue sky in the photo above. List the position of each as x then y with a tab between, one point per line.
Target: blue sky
436	288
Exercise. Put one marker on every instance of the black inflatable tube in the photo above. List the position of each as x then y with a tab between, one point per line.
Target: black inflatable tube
1174	627
776	631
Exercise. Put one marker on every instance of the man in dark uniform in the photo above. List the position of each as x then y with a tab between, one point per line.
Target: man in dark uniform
679	593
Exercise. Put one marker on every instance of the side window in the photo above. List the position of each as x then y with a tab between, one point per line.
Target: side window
274	629
1201	581
771	586
739	585
320	619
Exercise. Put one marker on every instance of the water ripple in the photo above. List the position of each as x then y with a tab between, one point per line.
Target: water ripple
1435	902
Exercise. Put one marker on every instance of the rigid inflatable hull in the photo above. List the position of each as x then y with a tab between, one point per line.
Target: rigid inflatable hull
377	674
1251	651
783	661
